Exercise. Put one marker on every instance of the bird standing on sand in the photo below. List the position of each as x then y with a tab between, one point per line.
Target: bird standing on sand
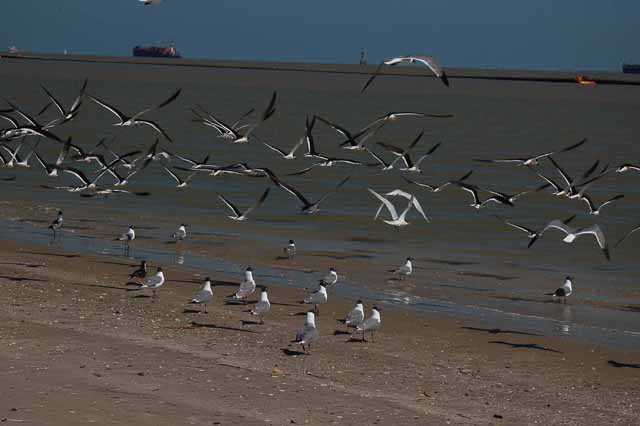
290	250
355	317
204	296
263	306
564	291
181	233
309	333
404	270
127	237
141	272
317	298
154	282
370	324
57	224
330	279
247	286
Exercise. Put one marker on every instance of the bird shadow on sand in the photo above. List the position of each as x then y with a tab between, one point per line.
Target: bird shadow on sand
249	322
357	340
21	279
289	352
295	305
142	296
240	302
533	346
622	364
27	265
341	333
500	331
195	324
192	311
110	287
104	262
68	256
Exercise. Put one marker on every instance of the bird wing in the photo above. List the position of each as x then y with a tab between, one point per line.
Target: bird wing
230	205
558	224
111	108
387	204
257	203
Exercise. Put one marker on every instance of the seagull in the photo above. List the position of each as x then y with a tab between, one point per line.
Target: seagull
385	166
404	270
57	223
370	324
290	250
141	272
531	233
204	296
626	235
127	237
399	152
212	121
437	188
181	233
309	333
135	120
573	233
355	317
352	143
397	220
180	183
564	291
237	214
247	286
53	169
307	207
317	298
330	279
263	306
429	61
401	193
533	161
194	164
154	282
592	208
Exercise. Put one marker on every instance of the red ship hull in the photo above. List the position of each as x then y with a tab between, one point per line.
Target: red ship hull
156	52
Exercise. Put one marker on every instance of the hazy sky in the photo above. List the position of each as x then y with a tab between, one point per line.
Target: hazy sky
542	34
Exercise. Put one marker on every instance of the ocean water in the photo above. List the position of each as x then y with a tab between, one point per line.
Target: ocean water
468	264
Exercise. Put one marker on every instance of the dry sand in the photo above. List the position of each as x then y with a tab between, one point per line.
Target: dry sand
78	348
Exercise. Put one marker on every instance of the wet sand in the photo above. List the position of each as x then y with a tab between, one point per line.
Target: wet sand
79	348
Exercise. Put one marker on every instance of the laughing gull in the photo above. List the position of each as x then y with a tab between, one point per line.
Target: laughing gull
330	279
290	250
355	317
154	282
317	298
370	324
404	270
127	237
135	120
263	306
309	333
57	224
428	61
237	214
564	291
246	287
573	233
181	233
204	296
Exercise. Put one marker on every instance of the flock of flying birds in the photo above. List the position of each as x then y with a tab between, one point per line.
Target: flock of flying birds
25	133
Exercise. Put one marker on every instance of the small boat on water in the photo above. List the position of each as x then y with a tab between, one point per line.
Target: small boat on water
631	68
156	51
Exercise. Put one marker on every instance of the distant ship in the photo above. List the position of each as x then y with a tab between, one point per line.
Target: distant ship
156	51
631	68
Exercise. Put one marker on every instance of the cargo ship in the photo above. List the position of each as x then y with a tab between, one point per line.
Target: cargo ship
631	68
156	51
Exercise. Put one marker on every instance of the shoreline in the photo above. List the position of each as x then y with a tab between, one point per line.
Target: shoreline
162	362
542	76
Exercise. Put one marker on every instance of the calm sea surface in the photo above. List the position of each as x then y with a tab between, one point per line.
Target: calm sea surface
498	278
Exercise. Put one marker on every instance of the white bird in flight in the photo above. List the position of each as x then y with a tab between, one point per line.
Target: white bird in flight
428	61
573	233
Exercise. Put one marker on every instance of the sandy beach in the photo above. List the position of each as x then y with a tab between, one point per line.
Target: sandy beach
78	348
